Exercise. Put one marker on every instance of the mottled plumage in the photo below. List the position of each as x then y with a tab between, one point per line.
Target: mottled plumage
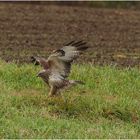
58	65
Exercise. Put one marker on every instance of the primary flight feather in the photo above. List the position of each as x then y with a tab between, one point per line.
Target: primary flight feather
58	65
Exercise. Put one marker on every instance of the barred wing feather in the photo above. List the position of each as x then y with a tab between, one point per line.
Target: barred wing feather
60	61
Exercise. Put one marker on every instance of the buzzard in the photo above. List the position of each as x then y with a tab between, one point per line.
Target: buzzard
56	68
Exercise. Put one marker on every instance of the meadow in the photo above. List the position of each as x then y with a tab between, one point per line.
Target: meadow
107	106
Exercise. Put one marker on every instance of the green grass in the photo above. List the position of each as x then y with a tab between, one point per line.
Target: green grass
107	106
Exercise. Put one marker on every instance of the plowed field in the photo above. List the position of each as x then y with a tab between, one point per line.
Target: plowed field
36	29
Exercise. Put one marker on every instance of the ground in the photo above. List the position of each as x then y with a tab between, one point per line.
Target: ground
33	29
107	106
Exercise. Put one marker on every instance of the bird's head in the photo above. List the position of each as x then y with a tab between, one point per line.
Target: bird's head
41	73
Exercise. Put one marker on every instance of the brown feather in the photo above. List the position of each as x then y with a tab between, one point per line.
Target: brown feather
58	65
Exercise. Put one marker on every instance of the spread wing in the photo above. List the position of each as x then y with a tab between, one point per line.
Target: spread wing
38	60
60	60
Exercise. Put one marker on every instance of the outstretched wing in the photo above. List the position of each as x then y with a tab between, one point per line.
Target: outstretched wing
72	50
60	60
38	60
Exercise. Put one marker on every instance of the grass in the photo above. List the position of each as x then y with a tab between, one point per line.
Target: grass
106	107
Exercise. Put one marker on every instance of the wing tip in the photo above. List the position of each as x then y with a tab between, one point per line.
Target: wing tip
70	43
33	60
83	48
76	43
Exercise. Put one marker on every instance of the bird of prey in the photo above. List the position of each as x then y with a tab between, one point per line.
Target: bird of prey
56	68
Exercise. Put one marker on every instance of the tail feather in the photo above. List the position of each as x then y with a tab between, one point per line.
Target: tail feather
74	82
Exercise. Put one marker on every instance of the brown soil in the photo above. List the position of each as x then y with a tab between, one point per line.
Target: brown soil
35	29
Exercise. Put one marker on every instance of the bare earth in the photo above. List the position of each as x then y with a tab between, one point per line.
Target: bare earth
33	29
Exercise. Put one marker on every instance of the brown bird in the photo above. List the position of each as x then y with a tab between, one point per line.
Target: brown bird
58	65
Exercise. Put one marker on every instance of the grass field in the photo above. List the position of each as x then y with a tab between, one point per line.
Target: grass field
107	106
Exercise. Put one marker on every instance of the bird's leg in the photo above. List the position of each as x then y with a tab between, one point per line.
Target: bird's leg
53	91
58	93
